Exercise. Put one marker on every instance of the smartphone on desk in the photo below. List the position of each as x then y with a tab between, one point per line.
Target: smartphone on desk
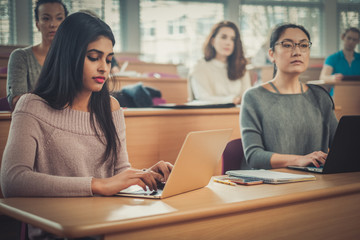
247	181
236	180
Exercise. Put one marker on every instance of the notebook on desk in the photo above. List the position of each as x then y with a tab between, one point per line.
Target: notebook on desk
268	176
344	154
195	165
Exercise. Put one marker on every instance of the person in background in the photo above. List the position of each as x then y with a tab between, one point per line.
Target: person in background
344	62
67	137
283	121
25	63
221	76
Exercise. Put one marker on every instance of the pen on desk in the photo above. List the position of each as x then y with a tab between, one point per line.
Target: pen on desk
224	182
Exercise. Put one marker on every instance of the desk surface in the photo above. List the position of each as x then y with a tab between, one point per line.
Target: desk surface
175	112
346	96
216	204
337	83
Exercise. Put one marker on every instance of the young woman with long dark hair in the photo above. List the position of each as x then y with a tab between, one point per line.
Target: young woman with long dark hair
67	138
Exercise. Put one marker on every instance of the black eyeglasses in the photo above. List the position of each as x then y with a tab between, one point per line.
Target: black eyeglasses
290	46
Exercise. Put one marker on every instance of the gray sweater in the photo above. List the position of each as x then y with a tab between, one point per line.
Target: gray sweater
285	123
23	72
52	153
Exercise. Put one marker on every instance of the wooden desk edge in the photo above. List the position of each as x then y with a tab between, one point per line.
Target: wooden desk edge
332	83
221	210
26	217
165	111
5	115
133	112
184	216
148	79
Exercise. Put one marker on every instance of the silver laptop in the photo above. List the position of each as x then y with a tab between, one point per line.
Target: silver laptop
195	165
344	152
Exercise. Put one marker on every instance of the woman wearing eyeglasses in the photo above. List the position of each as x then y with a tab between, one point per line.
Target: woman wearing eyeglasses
285	122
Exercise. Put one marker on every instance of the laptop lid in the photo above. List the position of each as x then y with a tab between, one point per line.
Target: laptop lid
344	153
196	163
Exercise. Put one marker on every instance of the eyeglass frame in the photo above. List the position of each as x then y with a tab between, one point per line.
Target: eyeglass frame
294	45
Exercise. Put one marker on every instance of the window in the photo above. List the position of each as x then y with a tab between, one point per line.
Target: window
148	31
257	21
349	16
177	26
7	31
181	29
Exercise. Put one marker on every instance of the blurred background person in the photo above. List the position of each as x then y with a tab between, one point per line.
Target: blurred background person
344	62
221	76
25	63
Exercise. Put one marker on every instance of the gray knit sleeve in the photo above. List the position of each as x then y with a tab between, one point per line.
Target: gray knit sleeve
17	73
251	132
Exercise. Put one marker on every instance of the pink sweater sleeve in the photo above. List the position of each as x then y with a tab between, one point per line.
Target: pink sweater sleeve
18	176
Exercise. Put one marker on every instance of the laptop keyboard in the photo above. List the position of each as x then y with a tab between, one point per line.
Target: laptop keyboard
316	169
160	185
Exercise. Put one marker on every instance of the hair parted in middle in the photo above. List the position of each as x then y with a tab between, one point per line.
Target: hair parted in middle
61	77
38	3
236	62
277	33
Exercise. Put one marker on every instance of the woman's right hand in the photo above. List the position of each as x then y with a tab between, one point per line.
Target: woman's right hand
112	185
315	158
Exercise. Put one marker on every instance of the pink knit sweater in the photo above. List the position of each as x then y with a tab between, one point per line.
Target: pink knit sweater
52	153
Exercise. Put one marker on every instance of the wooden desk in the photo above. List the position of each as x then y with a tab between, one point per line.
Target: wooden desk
4	61
327	208
5	120
158	134
311	73
5	51
346	95
3	79
173	90
147	67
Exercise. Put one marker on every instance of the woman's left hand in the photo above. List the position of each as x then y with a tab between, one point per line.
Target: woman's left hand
237	100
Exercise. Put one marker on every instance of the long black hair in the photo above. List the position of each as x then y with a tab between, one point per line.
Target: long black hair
278	31
61	77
